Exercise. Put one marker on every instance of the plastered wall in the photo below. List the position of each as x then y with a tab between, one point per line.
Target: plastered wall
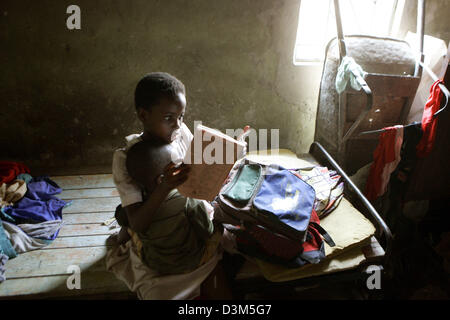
66	96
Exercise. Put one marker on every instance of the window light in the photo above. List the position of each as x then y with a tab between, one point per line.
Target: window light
317	24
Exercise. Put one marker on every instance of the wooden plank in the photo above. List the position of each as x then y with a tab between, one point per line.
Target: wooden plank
55	262
84	181
73	230
56	286
392	85
92	205
92	217
81	241
77	242
88	193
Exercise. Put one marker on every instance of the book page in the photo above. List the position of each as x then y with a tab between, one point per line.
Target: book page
211	155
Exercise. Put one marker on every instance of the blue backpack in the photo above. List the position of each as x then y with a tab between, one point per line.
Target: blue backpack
271	212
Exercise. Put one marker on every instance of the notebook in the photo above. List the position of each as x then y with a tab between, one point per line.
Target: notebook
211	155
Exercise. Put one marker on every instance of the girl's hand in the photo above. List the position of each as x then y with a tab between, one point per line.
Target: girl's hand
173	176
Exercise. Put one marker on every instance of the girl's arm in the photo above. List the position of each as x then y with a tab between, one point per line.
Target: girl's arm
140	214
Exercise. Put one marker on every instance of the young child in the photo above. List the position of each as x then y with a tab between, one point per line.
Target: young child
175	238
160	106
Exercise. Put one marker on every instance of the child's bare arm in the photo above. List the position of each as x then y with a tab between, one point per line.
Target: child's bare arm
140	214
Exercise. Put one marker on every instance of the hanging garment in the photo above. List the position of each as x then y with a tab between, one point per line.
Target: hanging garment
346	73
12	192
39	204
429	122
9	170
412	134
386	157
390	167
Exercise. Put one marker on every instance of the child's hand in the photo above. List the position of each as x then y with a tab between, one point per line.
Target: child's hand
174	176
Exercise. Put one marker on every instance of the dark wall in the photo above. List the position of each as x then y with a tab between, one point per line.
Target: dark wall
67	95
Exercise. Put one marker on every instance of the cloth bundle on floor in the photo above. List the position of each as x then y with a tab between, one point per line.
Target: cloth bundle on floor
39	204
30	212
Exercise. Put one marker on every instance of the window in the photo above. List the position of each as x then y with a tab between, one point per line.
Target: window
317	24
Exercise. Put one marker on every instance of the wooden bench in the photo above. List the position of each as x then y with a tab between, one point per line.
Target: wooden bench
81	242
44	273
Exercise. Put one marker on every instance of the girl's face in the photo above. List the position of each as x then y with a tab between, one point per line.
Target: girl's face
164	119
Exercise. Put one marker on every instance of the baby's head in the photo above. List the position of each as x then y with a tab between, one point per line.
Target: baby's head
146	161
160	101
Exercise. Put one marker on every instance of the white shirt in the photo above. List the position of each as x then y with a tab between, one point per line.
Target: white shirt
129	191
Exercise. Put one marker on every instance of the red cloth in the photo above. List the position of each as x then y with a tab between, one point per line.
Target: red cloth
429	123
383	154
9	170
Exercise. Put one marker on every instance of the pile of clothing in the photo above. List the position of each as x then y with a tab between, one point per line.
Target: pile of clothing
30	213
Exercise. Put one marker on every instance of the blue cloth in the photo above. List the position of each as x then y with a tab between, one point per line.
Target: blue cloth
286	196
39	203
5	217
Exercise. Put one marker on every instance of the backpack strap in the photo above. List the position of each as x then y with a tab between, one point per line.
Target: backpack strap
323	233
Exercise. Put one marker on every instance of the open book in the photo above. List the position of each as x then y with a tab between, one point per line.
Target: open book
211	155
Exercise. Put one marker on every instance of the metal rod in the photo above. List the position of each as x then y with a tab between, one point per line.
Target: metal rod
420	33
444	89
371	131
421	23
391	19
386	231
364	112
341	43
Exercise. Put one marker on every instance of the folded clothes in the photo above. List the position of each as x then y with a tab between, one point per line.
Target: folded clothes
12	192
38	205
